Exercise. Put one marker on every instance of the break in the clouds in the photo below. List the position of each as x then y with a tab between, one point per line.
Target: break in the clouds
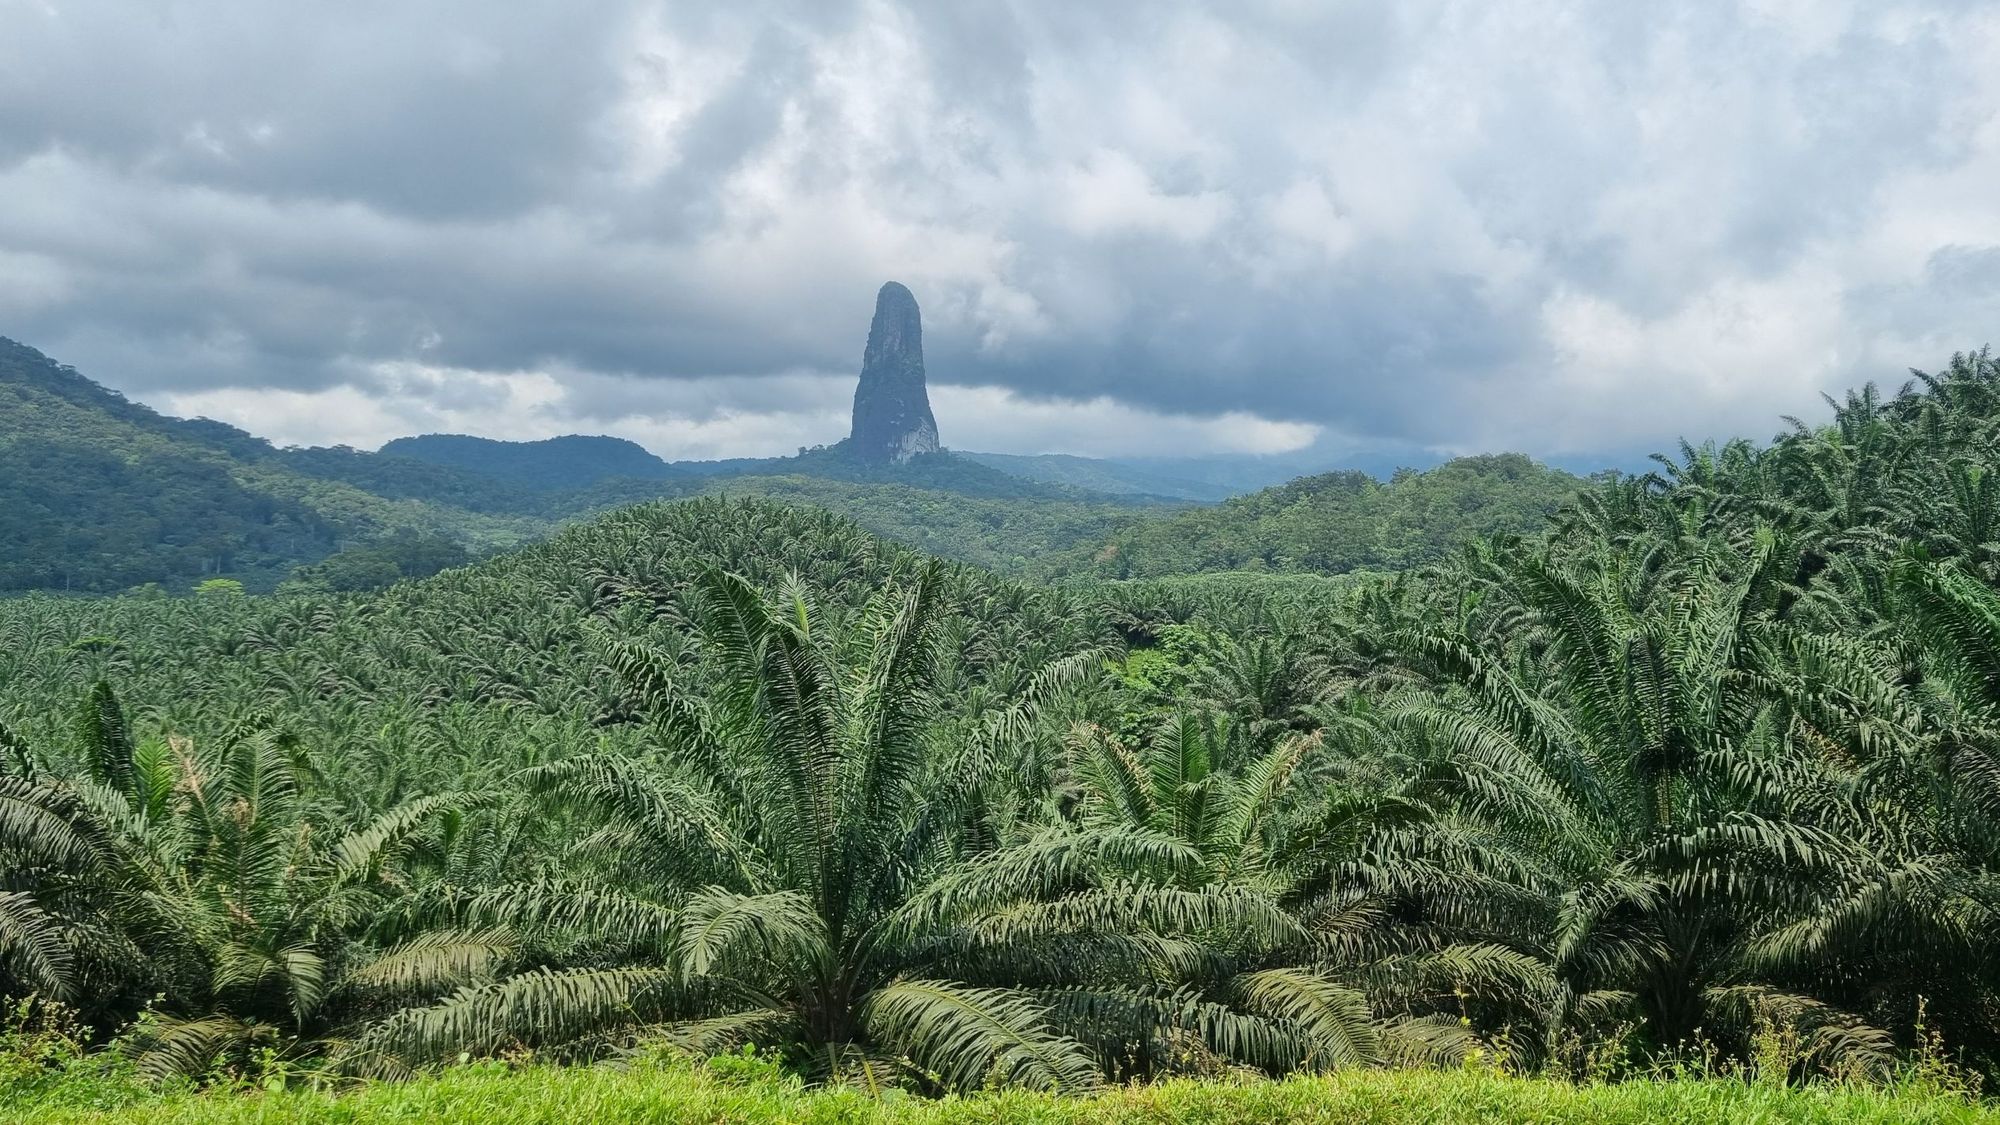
1141	227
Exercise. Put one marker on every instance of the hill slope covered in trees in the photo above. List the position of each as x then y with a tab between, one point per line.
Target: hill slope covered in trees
571	462
98	493
102	495
1337	522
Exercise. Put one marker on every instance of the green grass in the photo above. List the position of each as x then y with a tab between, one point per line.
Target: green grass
492	1095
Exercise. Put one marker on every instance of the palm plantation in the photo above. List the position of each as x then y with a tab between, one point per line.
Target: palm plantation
1713	758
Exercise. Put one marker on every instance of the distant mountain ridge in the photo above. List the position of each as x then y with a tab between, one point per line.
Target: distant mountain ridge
578	462
571	461
101	494
1112	478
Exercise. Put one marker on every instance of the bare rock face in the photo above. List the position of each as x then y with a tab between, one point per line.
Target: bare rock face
892	409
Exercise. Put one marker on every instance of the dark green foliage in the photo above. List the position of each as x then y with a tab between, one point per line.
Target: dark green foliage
406	478
98	494
572	462
1012	536
103	741
81	518
1338	522
381	564
1709	765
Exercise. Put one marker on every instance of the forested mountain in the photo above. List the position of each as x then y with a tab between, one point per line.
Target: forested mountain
1108	477
577	462
99	493
1707	767
103	495
578	467
571	462
1338	522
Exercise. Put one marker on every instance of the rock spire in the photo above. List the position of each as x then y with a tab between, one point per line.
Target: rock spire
892	410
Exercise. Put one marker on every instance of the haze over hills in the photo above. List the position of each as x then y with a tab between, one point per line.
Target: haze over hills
101	494
580	461
892	424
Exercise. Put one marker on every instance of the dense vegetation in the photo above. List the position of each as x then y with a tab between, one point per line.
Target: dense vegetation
1710	768
570	462
1337	522
1109	478
100	494
1673	735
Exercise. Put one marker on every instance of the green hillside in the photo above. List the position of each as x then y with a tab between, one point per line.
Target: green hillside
100	494
1108	477
1701	777
103	495
571	462
1337	522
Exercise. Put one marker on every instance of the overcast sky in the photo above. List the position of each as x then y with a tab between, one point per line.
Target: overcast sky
1574	229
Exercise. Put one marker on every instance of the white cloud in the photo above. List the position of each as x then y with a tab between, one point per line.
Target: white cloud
1743	348
709	418
1111	194
690	420
995	420
1447	223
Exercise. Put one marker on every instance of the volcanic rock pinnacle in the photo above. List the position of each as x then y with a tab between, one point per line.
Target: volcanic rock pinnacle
892	410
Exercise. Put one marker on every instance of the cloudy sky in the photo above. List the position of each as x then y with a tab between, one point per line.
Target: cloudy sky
1573	229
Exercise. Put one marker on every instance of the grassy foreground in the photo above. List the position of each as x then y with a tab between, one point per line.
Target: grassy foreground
652	1093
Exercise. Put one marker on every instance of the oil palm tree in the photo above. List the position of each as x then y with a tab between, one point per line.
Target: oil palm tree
1350	984
812	862
1616	738
204	876
795	857
1907	772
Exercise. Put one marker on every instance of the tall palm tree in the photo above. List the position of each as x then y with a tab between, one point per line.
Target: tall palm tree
1194	780
813	862
798	860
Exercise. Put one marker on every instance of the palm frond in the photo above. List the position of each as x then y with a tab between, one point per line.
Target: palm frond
34	945
1333	1019
969	1036
544	1008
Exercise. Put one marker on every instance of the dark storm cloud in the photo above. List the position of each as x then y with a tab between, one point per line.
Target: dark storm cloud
438	110
1452	224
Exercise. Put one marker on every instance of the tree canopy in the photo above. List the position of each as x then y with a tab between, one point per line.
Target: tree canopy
1708	760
